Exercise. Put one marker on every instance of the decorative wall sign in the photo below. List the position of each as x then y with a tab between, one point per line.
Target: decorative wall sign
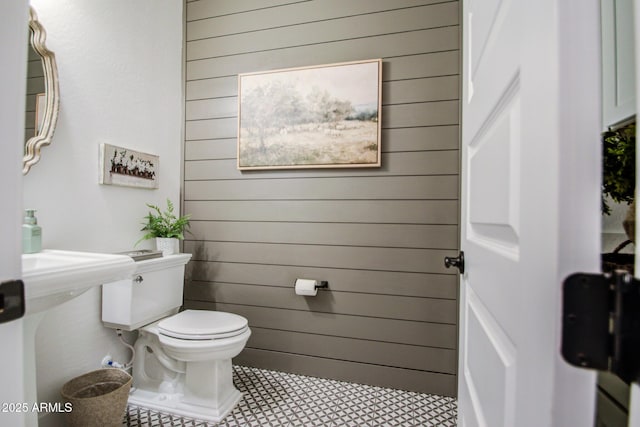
122	166
310	117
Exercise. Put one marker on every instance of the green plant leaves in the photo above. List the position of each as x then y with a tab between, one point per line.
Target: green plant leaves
618	165
164	224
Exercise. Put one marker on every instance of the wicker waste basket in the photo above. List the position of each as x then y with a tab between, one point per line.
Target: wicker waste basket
99	398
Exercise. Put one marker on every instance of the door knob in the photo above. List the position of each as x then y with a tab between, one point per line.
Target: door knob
457	262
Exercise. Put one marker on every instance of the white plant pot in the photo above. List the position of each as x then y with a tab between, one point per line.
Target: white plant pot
168	245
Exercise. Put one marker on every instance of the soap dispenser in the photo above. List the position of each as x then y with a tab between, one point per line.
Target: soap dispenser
31	233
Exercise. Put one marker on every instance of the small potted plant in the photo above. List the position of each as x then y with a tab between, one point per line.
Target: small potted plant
165	227
619	172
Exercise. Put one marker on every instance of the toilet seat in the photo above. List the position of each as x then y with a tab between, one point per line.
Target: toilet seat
203	325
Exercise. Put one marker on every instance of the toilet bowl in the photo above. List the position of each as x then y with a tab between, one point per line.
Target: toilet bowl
186	369
182	361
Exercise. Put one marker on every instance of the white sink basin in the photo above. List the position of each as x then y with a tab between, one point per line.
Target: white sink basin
52	277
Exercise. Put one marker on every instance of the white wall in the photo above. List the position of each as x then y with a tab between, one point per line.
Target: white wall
120	72
612	231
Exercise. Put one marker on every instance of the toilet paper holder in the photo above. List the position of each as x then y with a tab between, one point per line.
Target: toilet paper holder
309	287
322	284
319	283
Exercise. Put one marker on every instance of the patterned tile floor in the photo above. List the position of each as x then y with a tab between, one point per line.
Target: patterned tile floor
279	399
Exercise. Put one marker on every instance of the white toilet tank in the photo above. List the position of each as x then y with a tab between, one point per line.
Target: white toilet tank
154	291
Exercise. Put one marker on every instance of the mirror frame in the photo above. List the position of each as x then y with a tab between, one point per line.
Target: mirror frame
33	146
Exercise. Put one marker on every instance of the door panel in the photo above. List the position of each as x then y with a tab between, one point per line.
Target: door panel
491	203
515	87
492	224
492	377
494	204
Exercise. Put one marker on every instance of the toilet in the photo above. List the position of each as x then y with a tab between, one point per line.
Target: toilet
182	362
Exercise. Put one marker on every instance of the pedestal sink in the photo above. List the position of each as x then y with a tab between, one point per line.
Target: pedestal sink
52	277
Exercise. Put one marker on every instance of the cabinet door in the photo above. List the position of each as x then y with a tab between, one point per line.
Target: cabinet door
618	62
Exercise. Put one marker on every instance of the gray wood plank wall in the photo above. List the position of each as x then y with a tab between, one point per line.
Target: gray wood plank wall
378	236
35	85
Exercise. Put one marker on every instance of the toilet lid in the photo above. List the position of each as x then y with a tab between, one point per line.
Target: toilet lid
203	325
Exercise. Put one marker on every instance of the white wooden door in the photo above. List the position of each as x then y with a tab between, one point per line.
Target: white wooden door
530	206
634	404
13	36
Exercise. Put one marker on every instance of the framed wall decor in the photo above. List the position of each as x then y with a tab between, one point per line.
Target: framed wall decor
326	116
123	166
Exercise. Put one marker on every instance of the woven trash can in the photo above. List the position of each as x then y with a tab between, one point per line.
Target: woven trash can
99	398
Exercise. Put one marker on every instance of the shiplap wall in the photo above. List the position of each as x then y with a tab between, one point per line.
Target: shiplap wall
35	85
377	235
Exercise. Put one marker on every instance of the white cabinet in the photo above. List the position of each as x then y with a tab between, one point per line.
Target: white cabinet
618	62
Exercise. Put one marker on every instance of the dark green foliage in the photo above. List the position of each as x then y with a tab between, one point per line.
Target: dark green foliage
164	224
618	165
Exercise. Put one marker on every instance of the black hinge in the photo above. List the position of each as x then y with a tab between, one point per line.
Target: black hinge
601	323
11	300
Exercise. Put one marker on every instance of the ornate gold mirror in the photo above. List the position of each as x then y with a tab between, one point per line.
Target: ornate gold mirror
43	95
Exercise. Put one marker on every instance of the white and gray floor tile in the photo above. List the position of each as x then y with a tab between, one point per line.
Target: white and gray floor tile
277	399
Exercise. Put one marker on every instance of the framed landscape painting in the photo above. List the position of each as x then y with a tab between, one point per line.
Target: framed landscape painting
324	116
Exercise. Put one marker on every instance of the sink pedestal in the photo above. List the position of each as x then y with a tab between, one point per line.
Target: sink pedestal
50	278
30	326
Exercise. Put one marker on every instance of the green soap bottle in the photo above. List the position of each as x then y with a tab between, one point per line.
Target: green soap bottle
31	233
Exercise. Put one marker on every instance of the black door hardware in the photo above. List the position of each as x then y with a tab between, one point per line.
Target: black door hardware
11	300
601	323
455	262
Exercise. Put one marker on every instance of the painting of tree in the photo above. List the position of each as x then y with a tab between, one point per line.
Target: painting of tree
323	116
